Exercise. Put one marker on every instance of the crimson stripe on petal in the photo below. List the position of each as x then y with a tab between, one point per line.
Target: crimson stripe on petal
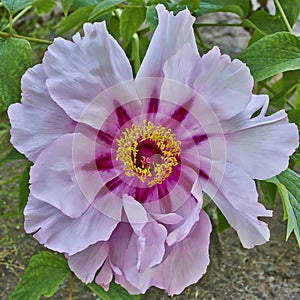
200	138
122	115
153	106
104	163
114	183
182	111
203	174
105	137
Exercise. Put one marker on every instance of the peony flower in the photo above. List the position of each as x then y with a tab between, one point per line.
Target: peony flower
121	163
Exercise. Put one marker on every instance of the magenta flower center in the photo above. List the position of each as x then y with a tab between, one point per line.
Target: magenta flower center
148	152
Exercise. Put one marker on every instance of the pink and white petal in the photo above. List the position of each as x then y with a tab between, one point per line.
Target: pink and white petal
87	262
261	145
189	212
171	34
68	174
39	121
149	236
237	198
105	276
184	263
78	71
226	85
56	231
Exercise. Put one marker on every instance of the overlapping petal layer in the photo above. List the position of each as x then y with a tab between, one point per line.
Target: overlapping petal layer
83	100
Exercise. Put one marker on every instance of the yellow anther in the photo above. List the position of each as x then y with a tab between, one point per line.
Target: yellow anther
165	148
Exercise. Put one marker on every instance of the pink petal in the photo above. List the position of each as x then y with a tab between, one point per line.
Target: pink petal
105	276
64	234
190	212
78	71
149	237
226	85
261	145
86	263
68	174
39	120
172	33
237	198
184	264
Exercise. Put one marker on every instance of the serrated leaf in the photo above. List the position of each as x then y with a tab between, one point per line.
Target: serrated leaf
288	183
76	19
43	276
272	55
222	222
44	7
24	188
15	5
104	7
239	7
131	20
152	17
15	60
264	23
66	4
115	292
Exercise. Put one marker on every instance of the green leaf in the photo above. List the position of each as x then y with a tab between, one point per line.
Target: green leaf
297	97
264	23
81	3
294	116
152	17
76	19
191	4
272	55
291	9
239	7
115	292
131	20
222	222
24	188
288	184
13	154
104	7
269	190
43	276
44	7
15	60
113	25
66	4
15	5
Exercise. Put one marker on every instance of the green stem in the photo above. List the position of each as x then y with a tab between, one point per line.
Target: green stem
29	39
71	286
11	30
136	53
284	18
18	16
200	41
198	25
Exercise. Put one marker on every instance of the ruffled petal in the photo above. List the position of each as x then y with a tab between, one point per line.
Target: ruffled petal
105	276
147	245
63	234
184	262
70	173
86	263
237	198
261	145
171	34
78	71
38	121
226	85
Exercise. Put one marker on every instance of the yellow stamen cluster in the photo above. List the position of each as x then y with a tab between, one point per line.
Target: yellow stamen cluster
165	141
